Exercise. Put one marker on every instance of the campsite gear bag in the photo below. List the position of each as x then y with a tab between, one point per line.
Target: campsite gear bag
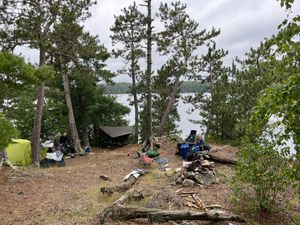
152	154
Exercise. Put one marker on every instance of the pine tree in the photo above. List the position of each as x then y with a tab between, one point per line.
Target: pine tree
129	30
180	41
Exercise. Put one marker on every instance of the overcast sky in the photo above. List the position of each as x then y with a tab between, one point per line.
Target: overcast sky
243	23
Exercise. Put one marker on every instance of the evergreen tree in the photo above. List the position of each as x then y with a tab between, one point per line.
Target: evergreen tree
129	30
31	23
180	40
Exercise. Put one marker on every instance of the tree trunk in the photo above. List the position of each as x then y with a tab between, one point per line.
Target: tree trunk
134	92
119	212
72	123
36	131
169	107
148	75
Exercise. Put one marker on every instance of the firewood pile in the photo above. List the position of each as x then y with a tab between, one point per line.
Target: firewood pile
192	200
198	172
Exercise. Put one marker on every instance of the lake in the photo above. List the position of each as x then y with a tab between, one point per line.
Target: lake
185	125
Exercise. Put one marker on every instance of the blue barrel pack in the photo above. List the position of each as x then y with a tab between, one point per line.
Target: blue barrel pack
183	150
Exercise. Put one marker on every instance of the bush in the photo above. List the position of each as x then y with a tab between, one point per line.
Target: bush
262	174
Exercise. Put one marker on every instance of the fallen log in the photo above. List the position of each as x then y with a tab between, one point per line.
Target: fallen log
124	186
222	160
119	213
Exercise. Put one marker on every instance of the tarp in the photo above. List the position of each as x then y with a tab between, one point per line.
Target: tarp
19	152
114	132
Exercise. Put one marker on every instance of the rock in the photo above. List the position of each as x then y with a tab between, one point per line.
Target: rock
205	179
188	183
216	181
212	165
179	181
198	179
178	170
208	178
186	164
206	157
197	169
205	163
190	175
104	177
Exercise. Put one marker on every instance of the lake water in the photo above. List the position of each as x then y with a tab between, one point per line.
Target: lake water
185	125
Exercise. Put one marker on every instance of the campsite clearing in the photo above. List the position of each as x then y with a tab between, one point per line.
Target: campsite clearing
71	194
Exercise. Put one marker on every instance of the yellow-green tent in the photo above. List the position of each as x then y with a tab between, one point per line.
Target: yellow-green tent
19	152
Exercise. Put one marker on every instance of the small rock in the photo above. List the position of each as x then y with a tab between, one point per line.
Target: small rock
216	181
188	183
104	177
178	170
206	157
205	163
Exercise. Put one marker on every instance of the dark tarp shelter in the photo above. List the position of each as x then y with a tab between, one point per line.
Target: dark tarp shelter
114	136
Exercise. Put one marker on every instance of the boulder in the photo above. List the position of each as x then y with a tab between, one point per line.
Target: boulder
205	179
190	175
188	183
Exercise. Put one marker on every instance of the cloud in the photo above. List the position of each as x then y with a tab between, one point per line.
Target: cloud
243	23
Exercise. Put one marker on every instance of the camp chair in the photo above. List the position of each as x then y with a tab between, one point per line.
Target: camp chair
192	136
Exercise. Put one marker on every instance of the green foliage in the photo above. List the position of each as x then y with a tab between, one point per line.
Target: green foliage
163	86
267	163
7	132
15	76
215	105
286	3
179	40
262	174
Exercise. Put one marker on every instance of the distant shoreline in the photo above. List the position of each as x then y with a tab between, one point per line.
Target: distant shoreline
185	87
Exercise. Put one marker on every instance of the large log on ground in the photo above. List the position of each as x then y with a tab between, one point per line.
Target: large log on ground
222	160
119	212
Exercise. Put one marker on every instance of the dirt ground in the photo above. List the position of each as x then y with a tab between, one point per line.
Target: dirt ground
71	194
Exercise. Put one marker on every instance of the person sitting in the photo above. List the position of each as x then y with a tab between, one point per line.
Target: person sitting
64	143
56	142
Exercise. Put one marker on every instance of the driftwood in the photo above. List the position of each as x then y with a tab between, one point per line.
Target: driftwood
222	160
124	186
119	212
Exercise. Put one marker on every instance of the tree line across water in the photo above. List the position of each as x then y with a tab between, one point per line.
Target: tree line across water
185	87
65	91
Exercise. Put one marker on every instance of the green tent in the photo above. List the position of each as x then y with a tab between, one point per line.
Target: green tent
19	152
